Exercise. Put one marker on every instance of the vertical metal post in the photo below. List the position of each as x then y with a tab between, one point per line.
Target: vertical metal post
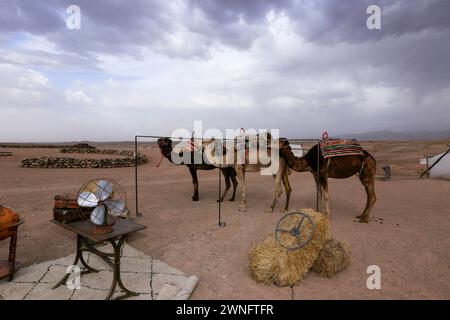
219	151
318	175
221	223
138	214
220	192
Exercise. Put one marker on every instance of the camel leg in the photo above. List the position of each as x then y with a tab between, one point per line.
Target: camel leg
193	172
319	191
226	177
240	171
278	192
367	178
234	181
288	188
324	184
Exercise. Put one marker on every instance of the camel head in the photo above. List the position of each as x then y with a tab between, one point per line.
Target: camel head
284	146
165	146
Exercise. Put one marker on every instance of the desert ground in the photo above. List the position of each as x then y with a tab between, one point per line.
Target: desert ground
407	237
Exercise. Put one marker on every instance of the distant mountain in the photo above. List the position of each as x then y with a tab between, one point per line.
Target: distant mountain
393	135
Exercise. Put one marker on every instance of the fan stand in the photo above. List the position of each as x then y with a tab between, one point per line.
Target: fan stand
105	227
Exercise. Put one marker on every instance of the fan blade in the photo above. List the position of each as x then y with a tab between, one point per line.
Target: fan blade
98	216
87	199
104	190
116	207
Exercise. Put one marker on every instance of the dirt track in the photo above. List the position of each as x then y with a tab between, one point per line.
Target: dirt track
408	236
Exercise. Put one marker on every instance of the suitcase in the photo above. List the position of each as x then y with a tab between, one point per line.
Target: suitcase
68	215
65	201
66	209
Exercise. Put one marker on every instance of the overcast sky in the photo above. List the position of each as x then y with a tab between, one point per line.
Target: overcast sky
149	67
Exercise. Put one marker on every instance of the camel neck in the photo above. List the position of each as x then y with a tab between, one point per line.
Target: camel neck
295	163
167	152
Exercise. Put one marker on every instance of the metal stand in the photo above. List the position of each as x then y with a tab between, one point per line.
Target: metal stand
318	177
136	163
112	259
221	223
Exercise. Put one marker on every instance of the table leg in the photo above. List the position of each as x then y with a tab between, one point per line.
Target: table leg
78	257
84	263
12	253
116	277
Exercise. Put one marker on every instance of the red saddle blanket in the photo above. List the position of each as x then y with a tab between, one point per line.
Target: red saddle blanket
340	147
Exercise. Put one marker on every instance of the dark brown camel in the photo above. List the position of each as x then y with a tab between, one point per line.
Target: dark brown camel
165	146
336	167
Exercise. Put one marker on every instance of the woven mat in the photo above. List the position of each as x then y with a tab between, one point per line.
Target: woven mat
340	147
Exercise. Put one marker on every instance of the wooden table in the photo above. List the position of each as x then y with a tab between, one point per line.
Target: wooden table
8	267
86	241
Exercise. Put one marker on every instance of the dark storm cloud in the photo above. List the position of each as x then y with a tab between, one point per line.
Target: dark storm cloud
112	27
37	17
333	21
233	22
419	61
230	11
126	28
121	27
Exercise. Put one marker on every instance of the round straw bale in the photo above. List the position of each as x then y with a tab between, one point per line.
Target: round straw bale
334	257
271	263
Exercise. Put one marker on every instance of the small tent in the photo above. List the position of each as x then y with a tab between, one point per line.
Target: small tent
439	166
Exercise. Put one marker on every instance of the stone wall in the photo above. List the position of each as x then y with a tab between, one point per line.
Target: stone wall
125	153
31	145
5	154
66	163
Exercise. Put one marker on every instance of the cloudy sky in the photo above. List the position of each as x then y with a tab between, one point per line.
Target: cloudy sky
149	67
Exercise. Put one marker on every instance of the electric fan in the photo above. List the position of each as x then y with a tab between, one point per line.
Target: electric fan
107	200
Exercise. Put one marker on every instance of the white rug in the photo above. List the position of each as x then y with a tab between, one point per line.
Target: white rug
151	278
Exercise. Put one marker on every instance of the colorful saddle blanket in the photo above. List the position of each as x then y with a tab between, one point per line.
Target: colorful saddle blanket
340	147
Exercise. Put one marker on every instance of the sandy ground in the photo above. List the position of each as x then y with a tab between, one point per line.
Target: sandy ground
408	237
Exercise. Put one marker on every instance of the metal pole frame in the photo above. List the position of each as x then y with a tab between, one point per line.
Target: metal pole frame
318	176
220	223
317	142
138	214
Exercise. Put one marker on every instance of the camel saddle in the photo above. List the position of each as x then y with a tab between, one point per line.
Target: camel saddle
340	147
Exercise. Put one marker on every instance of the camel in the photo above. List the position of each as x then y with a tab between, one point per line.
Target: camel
241	167
340	167
166	148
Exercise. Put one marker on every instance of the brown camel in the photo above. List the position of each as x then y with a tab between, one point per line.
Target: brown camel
166	148
340	167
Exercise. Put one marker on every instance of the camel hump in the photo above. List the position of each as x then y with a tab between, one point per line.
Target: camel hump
258	140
